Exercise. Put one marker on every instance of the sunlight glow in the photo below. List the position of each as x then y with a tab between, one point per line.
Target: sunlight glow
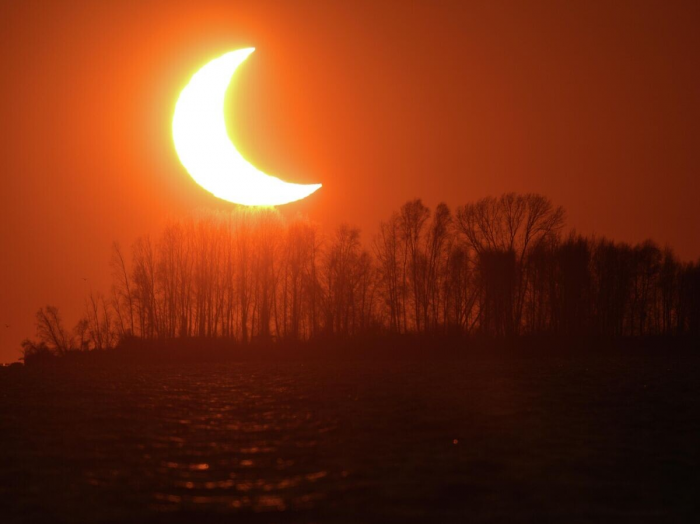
204	148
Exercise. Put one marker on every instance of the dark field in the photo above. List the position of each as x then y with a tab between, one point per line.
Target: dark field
577	438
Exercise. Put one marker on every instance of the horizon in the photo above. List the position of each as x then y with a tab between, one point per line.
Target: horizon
499	268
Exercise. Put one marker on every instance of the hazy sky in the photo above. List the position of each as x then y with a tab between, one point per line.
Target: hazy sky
594	104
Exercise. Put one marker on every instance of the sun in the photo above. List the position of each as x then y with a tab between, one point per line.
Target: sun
206	151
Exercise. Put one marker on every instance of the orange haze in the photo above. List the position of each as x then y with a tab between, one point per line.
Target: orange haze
594	104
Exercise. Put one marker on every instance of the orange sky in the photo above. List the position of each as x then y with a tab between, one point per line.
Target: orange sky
594	104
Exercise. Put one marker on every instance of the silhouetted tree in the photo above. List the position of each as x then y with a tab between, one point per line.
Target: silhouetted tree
98	323
511	224
461	291
499	267
412	219
346	282
497	282
50	331
123	299
689	299
668	292
389	256
571	283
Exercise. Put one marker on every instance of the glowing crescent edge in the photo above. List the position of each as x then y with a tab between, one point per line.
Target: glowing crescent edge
207	153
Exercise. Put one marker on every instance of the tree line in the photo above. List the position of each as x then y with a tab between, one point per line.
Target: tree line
497	267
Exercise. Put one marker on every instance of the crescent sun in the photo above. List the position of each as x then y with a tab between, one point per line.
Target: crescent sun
204	148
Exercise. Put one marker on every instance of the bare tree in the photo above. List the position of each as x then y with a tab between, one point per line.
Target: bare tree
98	323
388	253
122	290
512	223
499	267
412	219
50	330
